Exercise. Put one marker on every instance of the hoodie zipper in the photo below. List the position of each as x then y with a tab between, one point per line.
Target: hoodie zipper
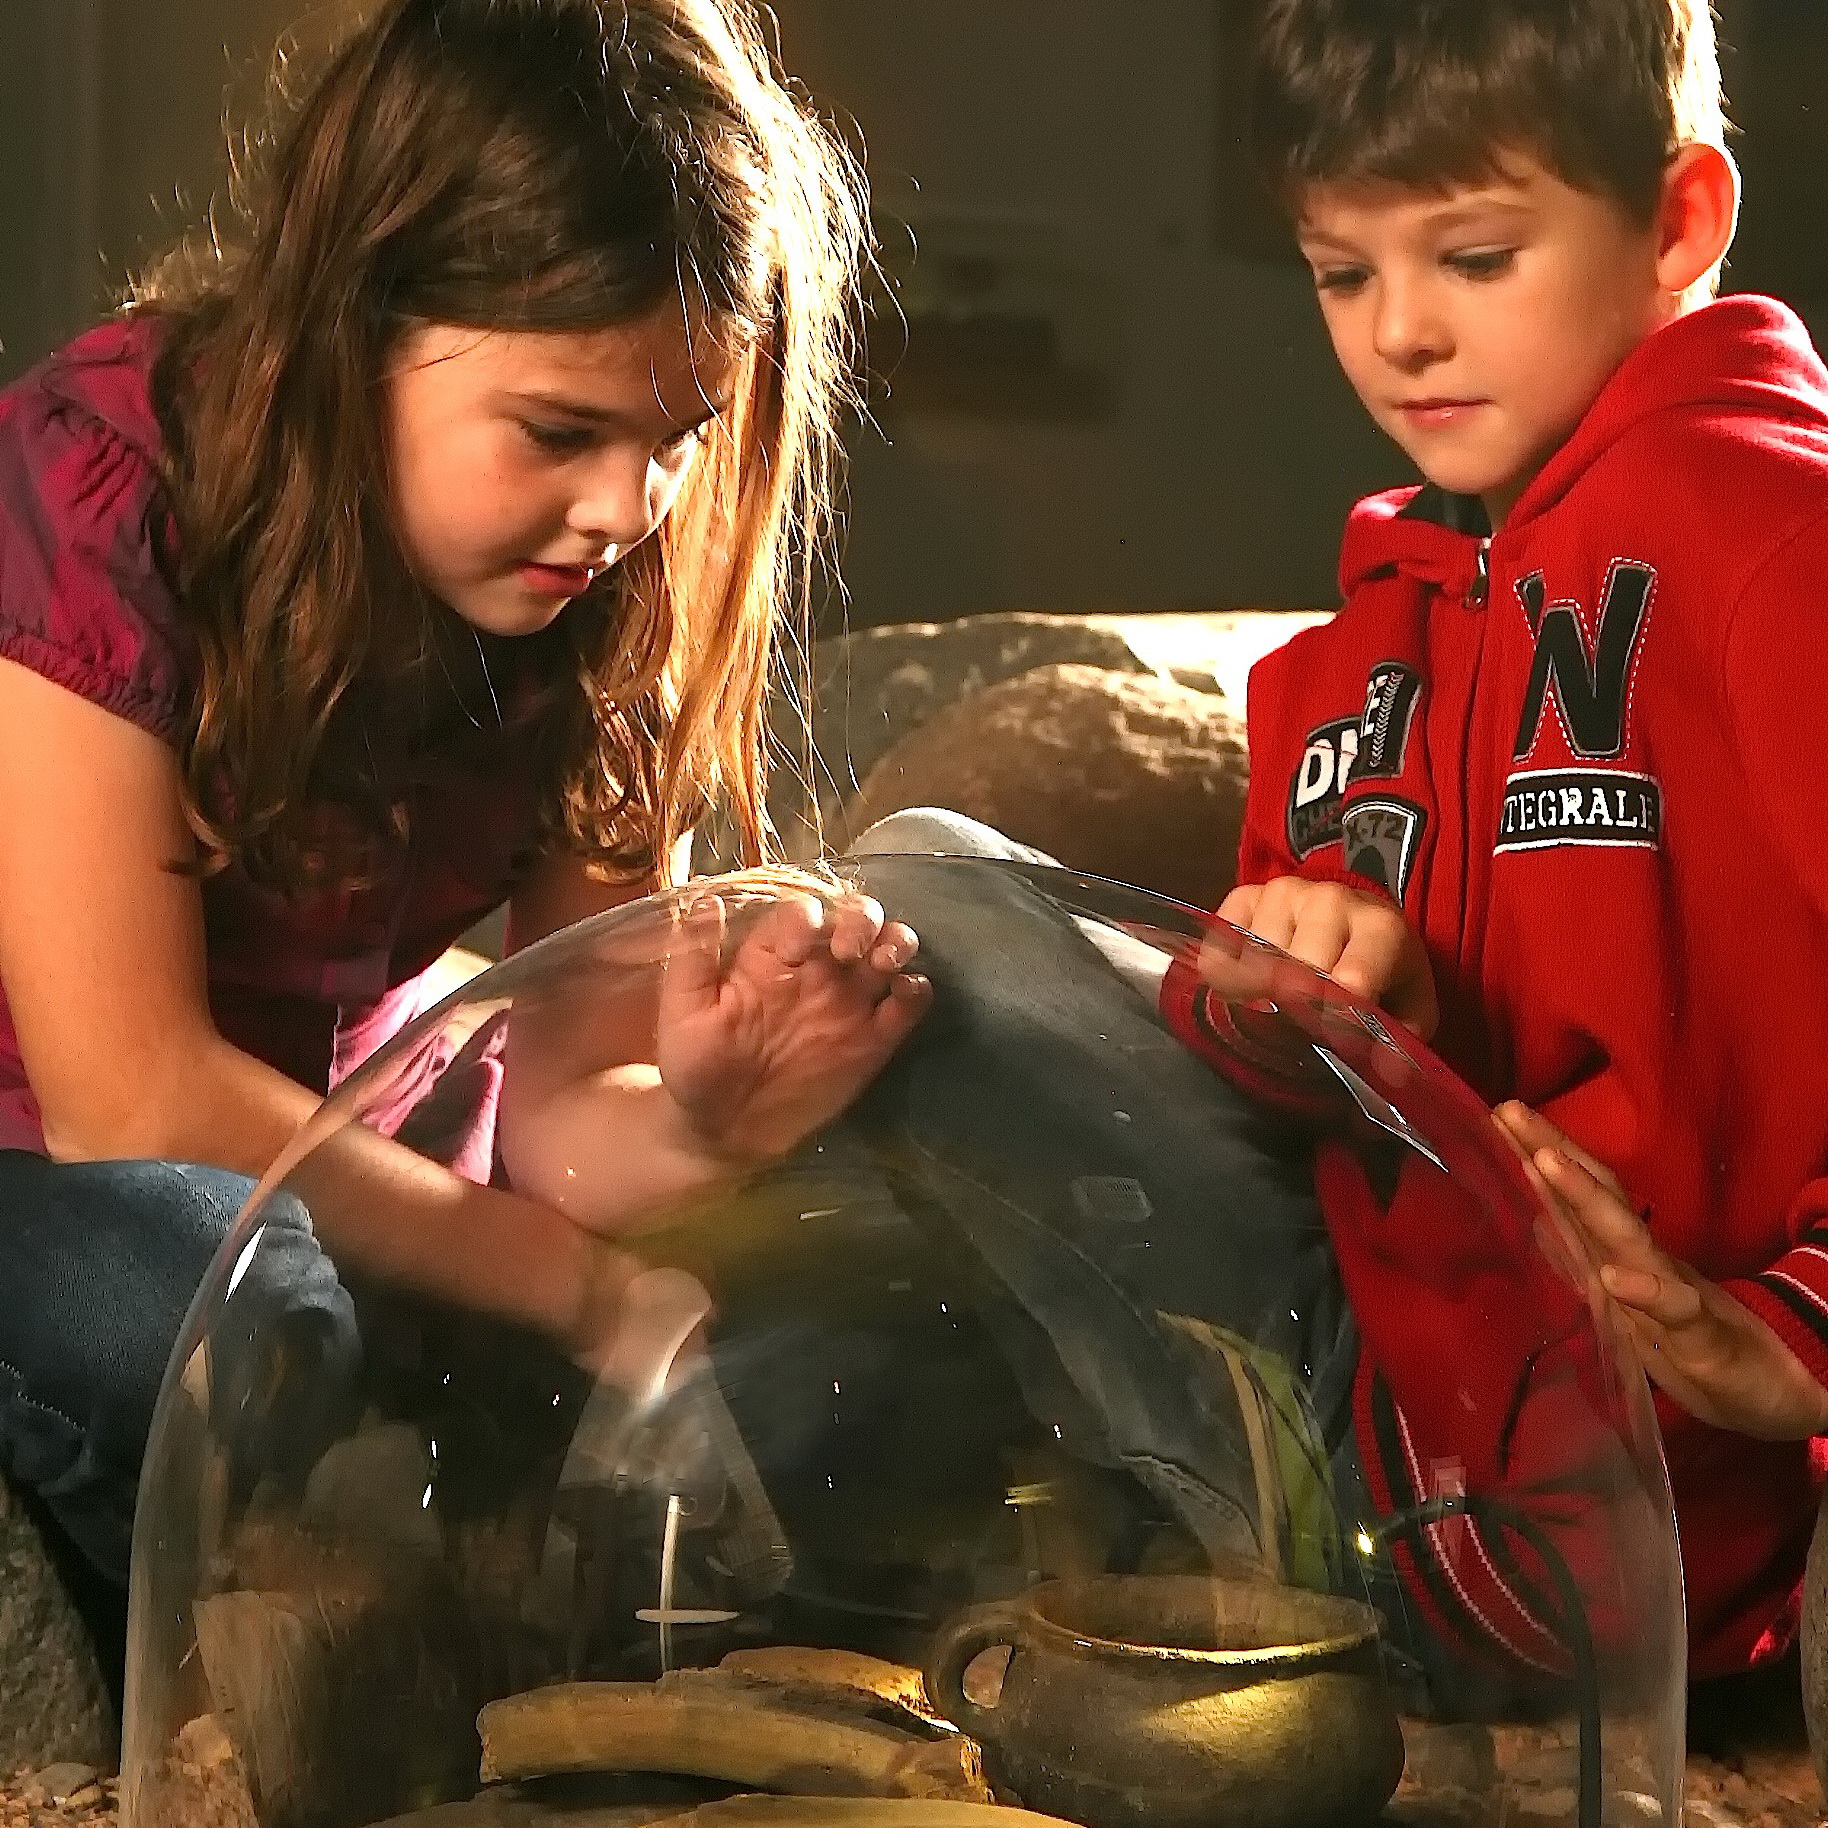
1480	590
1477	598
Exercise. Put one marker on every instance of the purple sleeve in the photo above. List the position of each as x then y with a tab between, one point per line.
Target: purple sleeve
82	598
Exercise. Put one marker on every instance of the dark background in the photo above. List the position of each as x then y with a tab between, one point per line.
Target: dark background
1109	388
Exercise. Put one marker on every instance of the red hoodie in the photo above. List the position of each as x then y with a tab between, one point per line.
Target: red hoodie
1580	755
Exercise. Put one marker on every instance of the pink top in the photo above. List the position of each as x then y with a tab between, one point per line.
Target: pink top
310	987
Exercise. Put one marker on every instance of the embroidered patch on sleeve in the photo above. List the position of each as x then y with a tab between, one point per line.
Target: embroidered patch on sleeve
1391	695
1383	838
1548	809
1318	784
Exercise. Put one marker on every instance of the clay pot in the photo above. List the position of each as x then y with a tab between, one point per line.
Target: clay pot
1180	1701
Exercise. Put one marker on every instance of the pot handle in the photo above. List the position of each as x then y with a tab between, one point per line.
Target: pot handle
967	1636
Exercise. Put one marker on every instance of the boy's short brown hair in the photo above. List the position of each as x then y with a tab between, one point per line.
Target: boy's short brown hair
1433	92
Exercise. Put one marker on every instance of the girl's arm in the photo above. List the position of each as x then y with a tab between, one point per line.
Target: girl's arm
583	1069
103	962
102	956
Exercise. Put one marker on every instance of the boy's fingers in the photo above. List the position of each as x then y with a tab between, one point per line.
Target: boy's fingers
1413	1002
1241	904
1240	976
1632	1288
1322	932
1374	962
1668	1300
1618	1231
1278	909
1506	1127
1528	1130
1534	1131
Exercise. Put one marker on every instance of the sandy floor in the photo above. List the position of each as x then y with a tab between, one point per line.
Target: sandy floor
1768	1787
1748	1767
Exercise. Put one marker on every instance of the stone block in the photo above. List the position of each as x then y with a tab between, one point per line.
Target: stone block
1126	775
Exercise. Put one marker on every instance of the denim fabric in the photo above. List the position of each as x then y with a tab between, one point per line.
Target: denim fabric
100	1262
1107	1178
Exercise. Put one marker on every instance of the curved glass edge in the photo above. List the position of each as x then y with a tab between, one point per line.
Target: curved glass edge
1277	1015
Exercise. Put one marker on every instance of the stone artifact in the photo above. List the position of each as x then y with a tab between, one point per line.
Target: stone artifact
722	1724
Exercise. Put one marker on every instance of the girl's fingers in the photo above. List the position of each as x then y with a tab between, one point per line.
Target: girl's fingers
693	969
790	930
895	948
855	923
893	1019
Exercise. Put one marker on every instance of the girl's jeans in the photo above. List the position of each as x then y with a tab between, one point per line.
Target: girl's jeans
99	1262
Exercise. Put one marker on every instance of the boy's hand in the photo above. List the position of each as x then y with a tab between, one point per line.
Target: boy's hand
1359	940
760	1052
1709	1351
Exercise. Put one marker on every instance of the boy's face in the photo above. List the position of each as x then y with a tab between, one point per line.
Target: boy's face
1479	323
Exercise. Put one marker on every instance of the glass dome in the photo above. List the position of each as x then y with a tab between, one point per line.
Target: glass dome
1160	1399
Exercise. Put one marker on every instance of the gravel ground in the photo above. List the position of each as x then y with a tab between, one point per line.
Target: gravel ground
1768	1789
58	1798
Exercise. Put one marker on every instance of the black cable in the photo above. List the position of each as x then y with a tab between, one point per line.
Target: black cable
1570	1627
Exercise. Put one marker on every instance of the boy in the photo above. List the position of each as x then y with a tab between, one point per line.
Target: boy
1570	698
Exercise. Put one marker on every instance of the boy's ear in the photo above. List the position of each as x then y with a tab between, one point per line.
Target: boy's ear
1697	216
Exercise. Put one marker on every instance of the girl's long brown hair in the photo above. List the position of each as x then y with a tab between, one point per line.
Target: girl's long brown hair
526	165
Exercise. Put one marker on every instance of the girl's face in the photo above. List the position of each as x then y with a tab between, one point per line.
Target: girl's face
523	463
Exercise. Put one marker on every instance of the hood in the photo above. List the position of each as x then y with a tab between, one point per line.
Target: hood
1742	354
1423	533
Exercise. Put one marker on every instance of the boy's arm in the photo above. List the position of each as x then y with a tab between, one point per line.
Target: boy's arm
1699	1342
1310	906
1775	688
1791	1297
1275	715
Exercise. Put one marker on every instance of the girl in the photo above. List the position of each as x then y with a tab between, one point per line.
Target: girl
419	553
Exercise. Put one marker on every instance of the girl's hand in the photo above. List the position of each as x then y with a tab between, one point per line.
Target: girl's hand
1359	940
759	1053
1706	1349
